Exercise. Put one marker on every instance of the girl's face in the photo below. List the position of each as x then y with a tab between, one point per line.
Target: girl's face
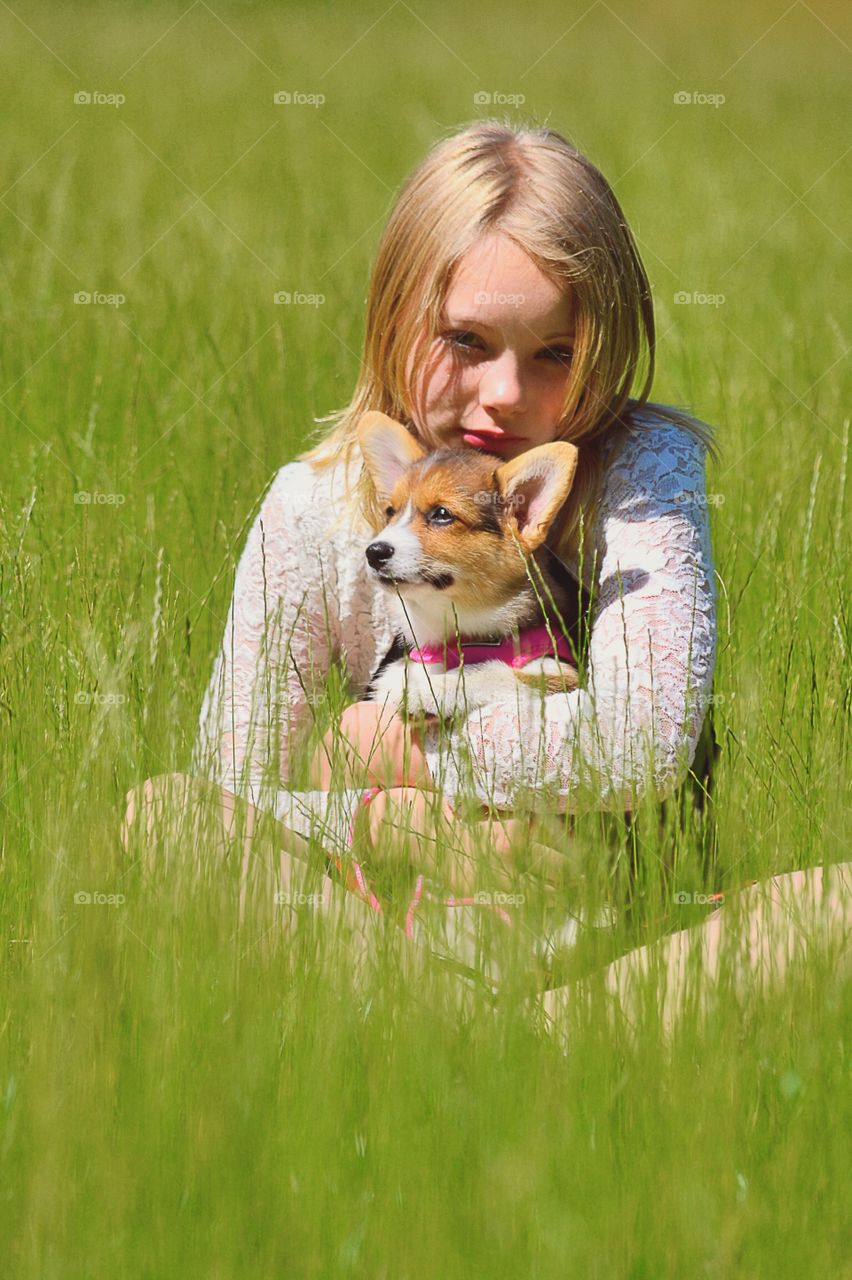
496	374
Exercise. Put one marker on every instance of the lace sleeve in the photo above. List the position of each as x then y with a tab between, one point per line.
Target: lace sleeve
652	654
280	636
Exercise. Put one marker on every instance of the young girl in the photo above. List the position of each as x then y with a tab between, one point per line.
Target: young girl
508	307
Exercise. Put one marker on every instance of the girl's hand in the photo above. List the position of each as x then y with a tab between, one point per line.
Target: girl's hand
372	746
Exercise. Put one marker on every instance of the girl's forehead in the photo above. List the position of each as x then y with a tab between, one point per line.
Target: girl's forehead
496	284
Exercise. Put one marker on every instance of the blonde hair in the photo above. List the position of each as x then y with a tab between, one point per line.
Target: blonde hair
533	186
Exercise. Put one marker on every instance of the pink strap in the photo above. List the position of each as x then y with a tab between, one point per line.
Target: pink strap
515	651
360	886
412	907
365	799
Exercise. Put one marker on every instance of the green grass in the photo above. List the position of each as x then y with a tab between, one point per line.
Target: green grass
183	1096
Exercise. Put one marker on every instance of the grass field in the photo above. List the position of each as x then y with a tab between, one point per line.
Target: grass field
183	1096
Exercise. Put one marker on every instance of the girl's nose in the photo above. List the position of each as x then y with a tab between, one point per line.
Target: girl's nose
500	386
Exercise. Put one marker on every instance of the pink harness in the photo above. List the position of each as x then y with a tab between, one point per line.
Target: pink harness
515	651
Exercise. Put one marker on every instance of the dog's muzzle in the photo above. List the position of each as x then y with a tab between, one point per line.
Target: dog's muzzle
380	554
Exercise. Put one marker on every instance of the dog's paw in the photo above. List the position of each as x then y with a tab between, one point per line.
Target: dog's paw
409	688
435	693
550	674
389	688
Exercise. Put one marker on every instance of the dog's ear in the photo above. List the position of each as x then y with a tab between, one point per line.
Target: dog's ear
534	486
389	449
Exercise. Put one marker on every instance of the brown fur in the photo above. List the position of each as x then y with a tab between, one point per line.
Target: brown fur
496	543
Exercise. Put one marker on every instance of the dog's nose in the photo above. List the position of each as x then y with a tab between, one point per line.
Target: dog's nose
378	553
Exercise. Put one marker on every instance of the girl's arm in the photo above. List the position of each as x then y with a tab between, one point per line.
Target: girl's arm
652	654
280	637
300	602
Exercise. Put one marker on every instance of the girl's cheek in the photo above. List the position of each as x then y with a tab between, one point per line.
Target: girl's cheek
444	388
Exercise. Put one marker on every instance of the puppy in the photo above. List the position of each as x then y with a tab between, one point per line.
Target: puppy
486	610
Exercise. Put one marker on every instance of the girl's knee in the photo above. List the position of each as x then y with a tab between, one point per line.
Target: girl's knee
145	792
405	800
393	804
409	818
151	798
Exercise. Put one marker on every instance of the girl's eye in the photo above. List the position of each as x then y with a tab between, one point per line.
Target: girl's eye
462	343
562	355
440	515
457	340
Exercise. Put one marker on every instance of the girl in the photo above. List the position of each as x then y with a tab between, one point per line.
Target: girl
508	307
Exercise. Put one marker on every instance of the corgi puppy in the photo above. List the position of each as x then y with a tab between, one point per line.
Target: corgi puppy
486	610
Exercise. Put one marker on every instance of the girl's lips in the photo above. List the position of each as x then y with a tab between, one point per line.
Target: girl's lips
487	441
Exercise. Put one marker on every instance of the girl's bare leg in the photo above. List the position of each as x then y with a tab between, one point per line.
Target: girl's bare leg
278	877
755	936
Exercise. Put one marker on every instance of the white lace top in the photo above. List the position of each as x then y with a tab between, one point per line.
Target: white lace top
303	599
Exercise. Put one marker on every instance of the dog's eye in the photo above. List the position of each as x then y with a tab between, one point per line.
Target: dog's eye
390	512
440	515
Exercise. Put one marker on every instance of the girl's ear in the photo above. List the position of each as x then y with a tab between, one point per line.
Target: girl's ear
534	486
388	449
